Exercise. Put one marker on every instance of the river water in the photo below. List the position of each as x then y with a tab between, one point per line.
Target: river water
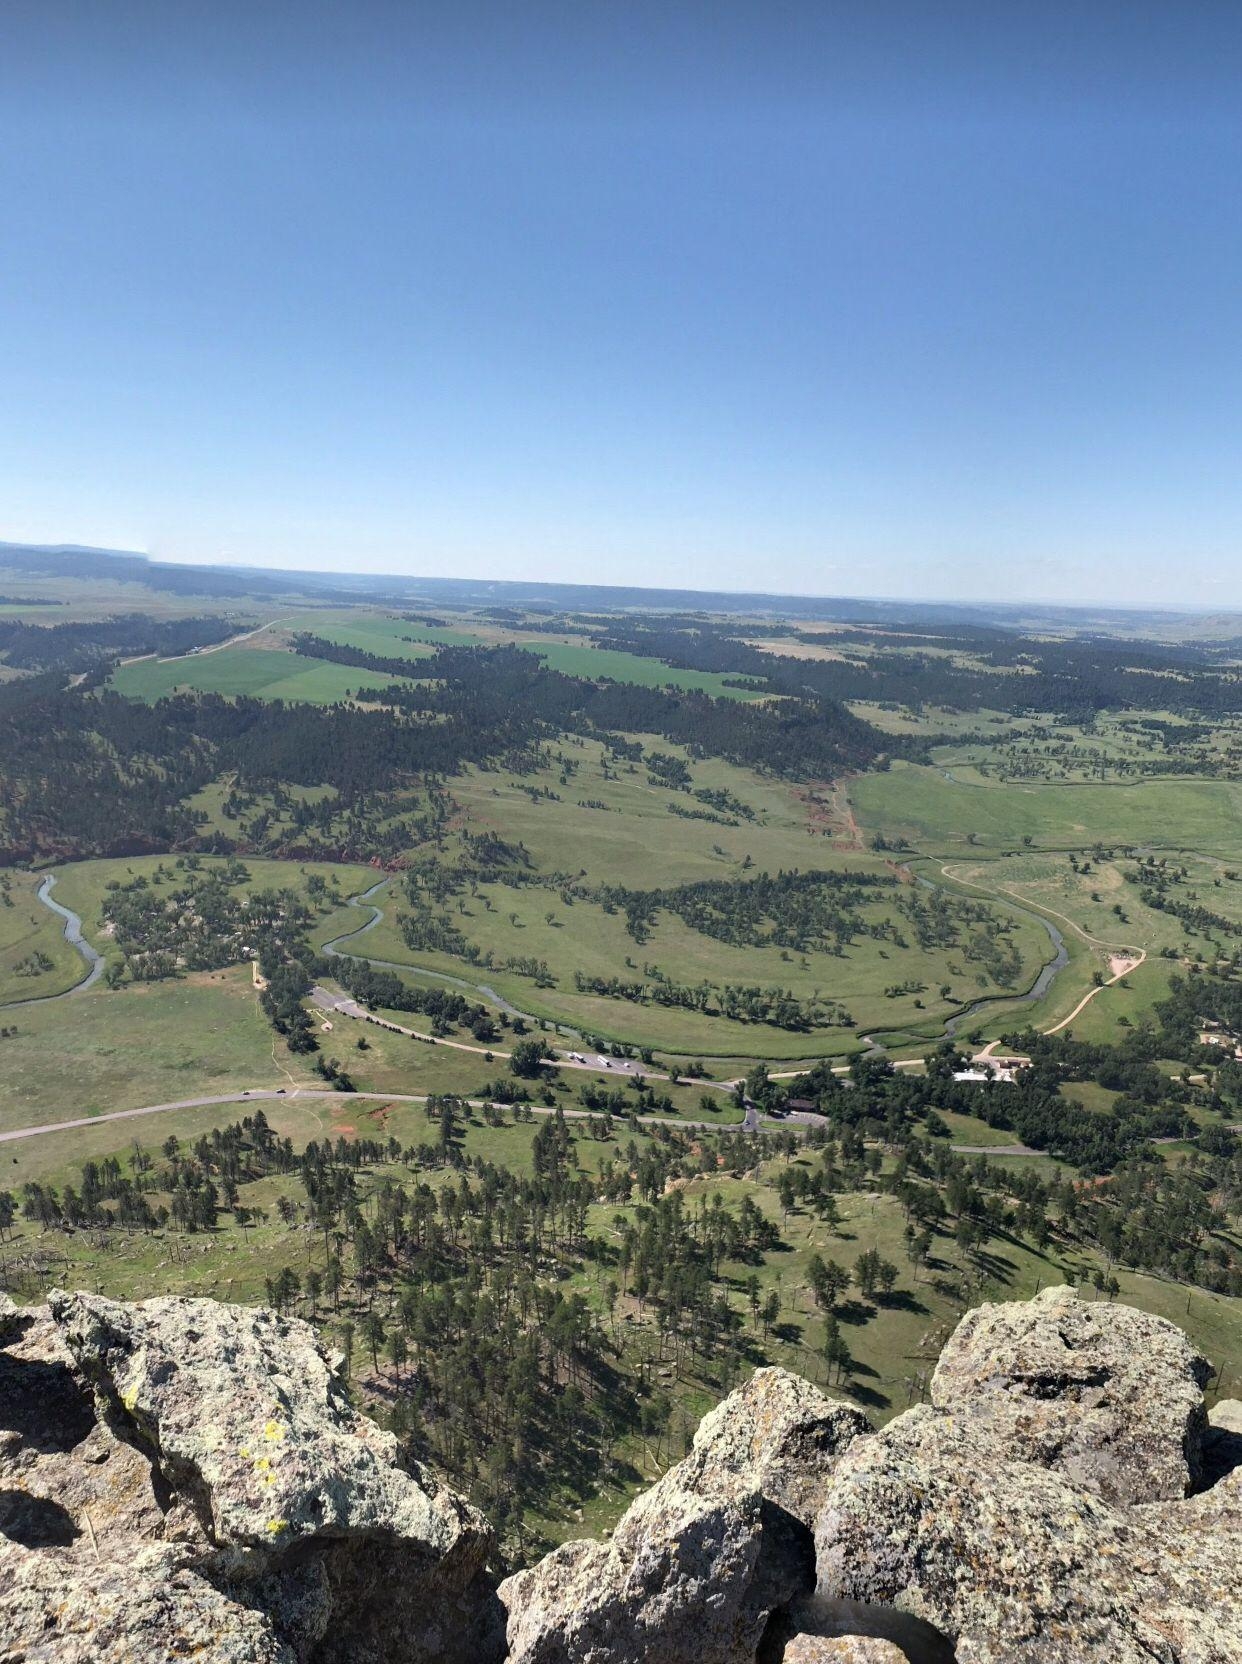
73	935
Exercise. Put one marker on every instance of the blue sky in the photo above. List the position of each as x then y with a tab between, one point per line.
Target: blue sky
893	299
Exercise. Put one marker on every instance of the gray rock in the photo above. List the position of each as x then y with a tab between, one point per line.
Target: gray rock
65	1481
778	1433
56	1609
12	1317
1014	1562
700	1561
134	1536
241	1412
841	1649
1110	1397
675	1583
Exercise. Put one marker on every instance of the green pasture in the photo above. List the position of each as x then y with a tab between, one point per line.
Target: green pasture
143	1044
382	633
265	670
388	636
1132	999
635	840
535	922
938	813
1048	882
28	929
604	663
262	672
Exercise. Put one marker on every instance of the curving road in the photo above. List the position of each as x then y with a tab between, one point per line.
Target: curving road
312	1094
1136	955
335	950
340	1005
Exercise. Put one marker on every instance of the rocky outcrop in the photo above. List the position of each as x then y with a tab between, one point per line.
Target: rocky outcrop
151	1606
218	1495
841	1649
699	1563
1005	1513
181	1479
1109	1397
779	1435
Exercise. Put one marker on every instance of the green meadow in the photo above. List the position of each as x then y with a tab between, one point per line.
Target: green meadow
35	959
262	672
936	812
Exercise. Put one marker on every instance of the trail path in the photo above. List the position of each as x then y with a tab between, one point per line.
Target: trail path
247	635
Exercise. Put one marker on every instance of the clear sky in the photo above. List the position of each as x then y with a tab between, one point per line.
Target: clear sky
926	299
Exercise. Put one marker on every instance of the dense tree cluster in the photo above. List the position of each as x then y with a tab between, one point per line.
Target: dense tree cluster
79	647
973	668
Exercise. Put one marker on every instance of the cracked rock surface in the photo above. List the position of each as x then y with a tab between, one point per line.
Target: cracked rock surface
699	1563
192	1475
1017	1512
182	1479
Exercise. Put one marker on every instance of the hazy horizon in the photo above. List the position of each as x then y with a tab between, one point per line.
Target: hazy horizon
537	580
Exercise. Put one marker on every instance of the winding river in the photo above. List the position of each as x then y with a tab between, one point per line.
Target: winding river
337	950
1038	988
73	935
342	947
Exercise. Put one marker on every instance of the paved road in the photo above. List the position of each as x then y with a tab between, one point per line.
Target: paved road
310	1094
595	1062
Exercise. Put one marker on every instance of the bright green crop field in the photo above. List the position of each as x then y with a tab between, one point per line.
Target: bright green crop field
261	672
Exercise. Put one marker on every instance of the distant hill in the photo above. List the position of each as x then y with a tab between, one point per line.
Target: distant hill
76	561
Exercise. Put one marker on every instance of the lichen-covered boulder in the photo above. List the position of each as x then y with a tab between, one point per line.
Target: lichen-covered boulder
1020	1566
778	1433
242	1411
1108	1396
151	1607
300	1507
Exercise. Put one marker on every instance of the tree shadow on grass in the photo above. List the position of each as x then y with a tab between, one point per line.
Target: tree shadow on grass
871	1396
854	1312
902	1300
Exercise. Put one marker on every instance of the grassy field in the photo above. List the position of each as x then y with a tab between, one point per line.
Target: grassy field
392	636
261	671
264	669
628	836
149	1043
936	814
578	659
590	940
31	934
